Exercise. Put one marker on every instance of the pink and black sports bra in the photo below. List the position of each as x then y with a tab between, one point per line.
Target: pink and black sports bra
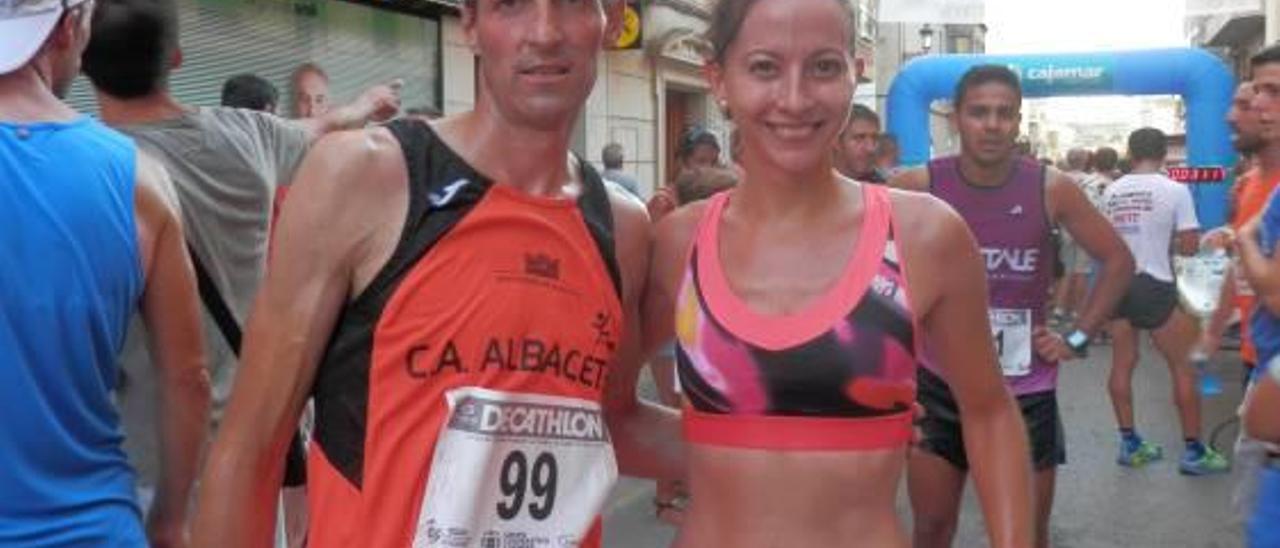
840	375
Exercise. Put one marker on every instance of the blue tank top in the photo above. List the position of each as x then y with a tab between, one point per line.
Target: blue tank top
70	278
1265	326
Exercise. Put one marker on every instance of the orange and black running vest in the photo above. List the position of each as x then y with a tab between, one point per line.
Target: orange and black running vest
459	400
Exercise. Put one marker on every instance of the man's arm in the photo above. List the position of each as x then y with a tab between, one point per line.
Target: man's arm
171	312
1094	233
916	180
646	436
1262	272
958	330
1211	339
1187	237
1262	409
344	216
377	104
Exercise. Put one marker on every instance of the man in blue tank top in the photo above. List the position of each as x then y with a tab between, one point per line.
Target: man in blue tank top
91	234
1012	204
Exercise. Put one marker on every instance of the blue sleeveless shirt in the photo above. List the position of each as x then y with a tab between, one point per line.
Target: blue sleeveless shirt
70	278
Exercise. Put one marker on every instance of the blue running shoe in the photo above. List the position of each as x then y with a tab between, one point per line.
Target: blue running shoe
1209	462
1137	455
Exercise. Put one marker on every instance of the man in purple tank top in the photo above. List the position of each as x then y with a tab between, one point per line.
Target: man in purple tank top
1011	203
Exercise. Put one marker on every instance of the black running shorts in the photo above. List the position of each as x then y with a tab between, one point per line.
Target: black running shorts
943	435
1148	303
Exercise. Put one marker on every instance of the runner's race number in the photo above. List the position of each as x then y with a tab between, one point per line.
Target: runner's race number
513	469
1011	329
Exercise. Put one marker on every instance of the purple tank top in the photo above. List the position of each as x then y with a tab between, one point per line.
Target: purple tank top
1011	224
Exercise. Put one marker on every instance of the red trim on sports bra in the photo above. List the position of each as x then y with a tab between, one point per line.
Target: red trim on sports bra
781	332
789	433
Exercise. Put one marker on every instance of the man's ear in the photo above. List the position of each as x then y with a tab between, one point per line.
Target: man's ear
469	26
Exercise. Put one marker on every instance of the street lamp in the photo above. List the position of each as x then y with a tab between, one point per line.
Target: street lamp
926	38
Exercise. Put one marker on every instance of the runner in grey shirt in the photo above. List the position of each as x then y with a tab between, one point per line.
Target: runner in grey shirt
226	165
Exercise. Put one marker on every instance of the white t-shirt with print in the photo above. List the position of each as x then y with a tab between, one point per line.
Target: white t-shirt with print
1147	209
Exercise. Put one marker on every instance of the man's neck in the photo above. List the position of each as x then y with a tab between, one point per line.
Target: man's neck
156	107
26	97
533	160
1145	167
1269	158
980	174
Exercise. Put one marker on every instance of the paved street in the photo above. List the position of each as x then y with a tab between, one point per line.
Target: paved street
1099	504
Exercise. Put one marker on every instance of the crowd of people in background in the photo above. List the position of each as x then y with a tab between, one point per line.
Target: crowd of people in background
435	338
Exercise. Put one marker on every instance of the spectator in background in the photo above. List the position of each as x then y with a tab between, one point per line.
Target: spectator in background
1104	173
1262	422
695	185
692	185
250	91
91	235
1070	290
1257	221
613	158
310	86
857	148
887	155
1155	215
226	165
698	148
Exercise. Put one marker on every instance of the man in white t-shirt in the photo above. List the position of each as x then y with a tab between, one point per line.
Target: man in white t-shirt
1155	216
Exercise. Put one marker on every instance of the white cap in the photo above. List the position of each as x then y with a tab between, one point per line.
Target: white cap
24	27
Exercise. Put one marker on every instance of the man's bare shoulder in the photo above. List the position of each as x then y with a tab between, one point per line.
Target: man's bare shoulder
154	183
353	167
914	179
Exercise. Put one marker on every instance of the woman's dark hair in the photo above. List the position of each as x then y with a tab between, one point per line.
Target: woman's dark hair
694	137
727	17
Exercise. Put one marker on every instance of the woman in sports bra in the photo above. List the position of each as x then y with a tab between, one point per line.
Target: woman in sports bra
800	301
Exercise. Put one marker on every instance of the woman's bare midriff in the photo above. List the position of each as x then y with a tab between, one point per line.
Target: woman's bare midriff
772	499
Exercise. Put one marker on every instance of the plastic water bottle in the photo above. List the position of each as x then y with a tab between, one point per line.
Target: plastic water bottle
1210	384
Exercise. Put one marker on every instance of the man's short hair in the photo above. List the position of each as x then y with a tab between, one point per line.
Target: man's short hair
249	91
1078	159
1148	143
131	45
612	156
986	74
1105	159
308	68
863	113
1265	57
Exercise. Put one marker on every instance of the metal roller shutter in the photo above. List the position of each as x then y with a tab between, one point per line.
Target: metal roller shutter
356	45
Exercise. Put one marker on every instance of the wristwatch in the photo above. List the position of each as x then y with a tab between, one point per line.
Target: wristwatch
1078	342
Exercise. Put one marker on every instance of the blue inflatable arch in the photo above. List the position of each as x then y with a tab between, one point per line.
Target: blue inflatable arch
1203	81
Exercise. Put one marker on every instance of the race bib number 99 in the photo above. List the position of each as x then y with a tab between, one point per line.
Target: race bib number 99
1012	332
516	470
